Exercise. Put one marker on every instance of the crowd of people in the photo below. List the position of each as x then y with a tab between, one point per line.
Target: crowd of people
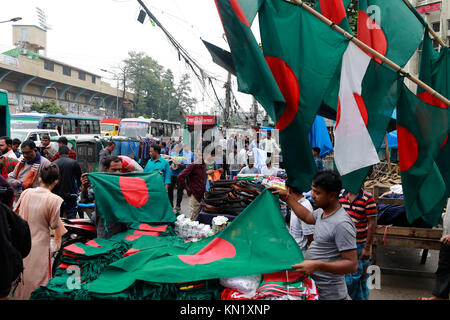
333	227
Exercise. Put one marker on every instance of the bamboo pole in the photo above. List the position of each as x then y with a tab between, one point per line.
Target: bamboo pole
366	48
388	155
430	30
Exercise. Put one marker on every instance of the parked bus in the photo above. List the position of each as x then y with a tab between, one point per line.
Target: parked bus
4	114
110	127
148	128
65	125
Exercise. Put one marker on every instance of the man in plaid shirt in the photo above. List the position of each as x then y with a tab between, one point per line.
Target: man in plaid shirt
62	141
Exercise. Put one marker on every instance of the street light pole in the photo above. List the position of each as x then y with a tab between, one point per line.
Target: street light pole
117	94
12	20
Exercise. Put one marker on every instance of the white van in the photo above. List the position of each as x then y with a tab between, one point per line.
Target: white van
33	134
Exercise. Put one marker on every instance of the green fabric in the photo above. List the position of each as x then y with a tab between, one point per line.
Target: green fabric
381	88
435	71
424	189
116	193
256	242
402	29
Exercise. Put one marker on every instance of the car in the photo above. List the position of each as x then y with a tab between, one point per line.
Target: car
33	134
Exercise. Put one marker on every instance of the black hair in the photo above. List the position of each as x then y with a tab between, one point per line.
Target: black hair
46	136
63	150
28	143
163	144
16	142
7	139
63	140
328	180
156	147
108	160
111	143
49	174
317	150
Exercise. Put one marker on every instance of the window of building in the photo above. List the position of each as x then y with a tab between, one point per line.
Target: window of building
436	26
81	75
49	65
67	71
93	79
448	24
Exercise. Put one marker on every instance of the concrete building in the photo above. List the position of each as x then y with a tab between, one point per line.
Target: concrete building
30	76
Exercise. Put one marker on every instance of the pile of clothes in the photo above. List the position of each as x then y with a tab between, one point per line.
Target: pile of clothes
228	198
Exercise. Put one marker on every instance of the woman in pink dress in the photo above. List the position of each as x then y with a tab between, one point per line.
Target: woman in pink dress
41	209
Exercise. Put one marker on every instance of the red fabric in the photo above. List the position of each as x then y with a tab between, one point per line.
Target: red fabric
371	34
408	148
333	10
215	250
134	190
238	11
362	108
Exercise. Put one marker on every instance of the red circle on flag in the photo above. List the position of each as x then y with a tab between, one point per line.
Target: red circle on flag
408	148
215	250
362	108
371	34
289	87
238	11
134	190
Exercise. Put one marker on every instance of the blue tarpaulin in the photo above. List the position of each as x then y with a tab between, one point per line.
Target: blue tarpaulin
319	136
392	140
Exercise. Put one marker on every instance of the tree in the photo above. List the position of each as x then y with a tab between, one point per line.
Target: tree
48	107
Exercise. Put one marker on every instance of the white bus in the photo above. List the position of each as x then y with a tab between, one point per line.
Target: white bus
148	128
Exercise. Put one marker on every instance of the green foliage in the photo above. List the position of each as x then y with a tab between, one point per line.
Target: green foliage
156	93
48	107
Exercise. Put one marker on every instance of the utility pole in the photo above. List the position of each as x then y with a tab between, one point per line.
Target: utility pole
227	101
255	112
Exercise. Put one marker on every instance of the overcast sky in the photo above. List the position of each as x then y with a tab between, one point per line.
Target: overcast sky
98	34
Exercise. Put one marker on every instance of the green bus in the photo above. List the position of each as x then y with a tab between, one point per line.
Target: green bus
4	114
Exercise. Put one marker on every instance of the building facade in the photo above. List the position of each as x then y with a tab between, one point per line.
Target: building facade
29	77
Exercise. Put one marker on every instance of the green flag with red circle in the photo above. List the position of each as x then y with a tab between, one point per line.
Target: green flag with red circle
131	197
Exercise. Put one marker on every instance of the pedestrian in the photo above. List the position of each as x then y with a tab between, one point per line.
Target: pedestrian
362	208
6	147
26	173
441	287
302	232
332	253
15	147
211	167
269	145
105	153
15	245
243	157
46	149
164	149
6	192
7	165
112	164
40	208
158	163
233	162
69	182
193	179
317	158
176	169
62	141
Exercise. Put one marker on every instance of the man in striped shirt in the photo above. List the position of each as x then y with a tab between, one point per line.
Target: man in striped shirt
362	208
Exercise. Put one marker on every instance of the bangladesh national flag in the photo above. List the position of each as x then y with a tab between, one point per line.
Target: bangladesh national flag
435	72
256	242
131	197
289	75
422	130
336	11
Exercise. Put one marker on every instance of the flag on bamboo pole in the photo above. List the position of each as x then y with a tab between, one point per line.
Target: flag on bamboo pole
421	132
131	197
256	242
288	76
336	11
435	71
389	27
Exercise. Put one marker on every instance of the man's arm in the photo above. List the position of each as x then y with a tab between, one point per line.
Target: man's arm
347	264
300	211
372	223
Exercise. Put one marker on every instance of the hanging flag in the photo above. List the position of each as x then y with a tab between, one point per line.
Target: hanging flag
336	11
256	242
422	130
378	27
435	71
131	197
280	75
351	124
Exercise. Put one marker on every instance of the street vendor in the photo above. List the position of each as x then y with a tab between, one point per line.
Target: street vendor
158	163
332	253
